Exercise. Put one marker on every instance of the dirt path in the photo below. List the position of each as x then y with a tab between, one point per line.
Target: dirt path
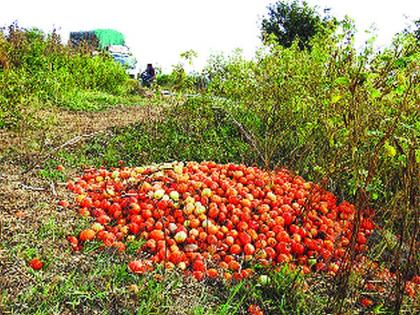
120	116
57	126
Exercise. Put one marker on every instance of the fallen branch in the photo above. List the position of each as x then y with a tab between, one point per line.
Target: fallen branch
70	142
250	139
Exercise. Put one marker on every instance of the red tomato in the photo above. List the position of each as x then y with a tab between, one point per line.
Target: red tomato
87	235
249	249
212	273
235	249
36	264
198	265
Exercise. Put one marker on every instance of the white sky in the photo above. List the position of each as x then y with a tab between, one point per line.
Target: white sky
157	31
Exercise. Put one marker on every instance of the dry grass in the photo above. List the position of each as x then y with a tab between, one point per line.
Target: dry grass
57	125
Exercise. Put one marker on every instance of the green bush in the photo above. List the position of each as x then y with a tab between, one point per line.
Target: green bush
330	111
180	81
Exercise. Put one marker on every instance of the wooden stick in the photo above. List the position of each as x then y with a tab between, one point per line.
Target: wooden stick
70	142
54	192
245	133
33	188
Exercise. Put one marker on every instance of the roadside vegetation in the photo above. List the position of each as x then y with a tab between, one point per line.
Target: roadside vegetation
347	119
37	72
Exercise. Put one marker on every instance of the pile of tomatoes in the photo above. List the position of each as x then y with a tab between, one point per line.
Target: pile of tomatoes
216	220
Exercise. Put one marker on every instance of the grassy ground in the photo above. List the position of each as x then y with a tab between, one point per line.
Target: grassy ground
347	119
95	281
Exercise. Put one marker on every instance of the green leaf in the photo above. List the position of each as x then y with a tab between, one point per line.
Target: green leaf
342	81
336	98
375	93
332	142
400	89
401	62
402	158
390	151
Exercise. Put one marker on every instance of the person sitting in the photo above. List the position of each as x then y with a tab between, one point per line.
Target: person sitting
148	75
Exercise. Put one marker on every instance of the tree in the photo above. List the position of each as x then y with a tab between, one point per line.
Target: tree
189	56
289	21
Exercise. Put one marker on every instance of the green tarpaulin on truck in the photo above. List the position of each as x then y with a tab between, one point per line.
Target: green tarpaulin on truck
99	38
107	37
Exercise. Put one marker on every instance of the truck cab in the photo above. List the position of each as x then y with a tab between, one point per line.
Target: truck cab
123	55
111	41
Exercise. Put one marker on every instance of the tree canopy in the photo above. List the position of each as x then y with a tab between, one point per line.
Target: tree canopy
289	21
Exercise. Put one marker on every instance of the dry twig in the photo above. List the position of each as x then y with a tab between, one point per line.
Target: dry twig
29	187
70	142
250	139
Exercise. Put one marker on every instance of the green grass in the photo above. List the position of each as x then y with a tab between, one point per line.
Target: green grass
92	280
36	68
81	100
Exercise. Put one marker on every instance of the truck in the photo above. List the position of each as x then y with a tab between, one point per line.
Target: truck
108	40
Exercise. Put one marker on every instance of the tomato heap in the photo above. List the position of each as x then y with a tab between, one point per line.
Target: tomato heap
215	220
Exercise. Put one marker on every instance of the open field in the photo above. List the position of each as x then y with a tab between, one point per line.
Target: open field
288	185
